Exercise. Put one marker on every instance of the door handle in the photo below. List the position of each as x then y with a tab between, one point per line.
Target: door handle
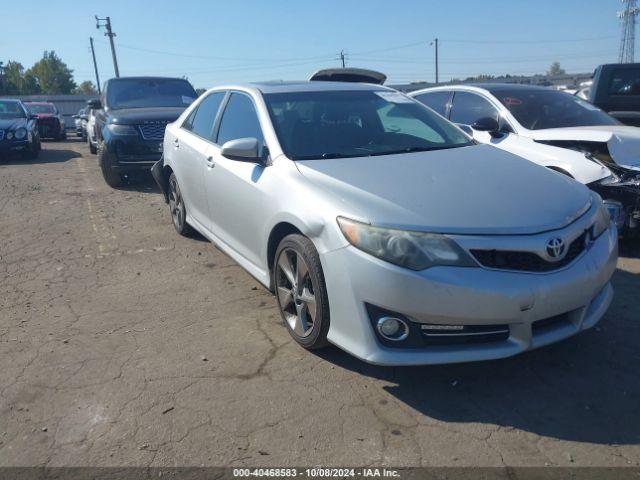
176	143
210	162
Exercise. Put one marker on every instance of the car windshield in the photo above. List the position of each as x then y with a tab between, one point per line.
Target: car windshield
151	93
9	109
38	108
343	124
540	109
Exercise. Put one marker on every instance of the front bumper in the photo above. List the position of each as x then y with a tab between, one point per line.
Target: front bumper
7	146
133	152
465	296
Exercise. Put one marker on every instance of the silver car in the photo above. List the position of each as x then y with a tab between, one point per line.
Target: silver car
384	229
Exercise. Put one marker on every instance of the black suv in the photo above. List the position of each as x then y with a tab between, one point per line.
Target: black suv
133	113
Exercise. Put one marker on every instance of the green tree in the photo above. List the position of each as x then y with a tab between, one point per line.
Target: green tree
13	78
86	88
555	69
52	75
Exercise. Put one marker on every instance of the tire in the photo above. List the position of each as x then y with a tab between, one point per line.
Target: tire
92	148
33	152
177	208
295	288
111	175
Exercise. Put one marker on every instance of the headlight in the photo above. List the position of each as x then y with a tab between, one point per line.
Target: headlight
603	221
122	129
413	250
20	133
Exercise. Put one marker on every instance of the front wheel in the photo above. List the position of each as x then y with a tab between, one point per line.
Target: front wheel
301	292
110	174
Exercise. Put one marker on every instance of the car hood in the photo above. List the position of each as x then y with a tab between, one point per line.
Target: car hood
12	123
468	190
132	116
623	141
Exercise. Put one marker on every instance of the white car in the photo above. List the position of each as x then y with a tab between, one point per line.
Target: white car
554	129
92	138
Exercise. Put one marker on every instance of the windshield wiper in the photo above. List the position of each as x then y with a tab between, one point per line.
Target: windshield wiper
414	149
328	155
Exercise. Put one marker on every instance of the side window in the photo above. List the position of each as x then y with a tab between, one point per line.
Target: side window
201	120
239	120
468	108
436	101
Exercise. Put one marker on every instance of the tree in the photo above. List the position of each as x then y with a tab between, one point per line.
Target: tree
52	75
555	70
86	88
13	78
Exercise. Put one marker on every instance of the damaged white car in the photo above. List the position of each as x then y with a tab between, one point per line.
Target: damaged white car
554	129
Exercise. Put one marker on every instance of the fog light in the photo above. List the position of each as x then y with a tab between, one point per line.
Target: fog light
393	328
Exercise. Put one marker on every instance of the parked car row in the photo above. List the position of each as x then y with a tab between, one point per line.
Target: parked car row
379	224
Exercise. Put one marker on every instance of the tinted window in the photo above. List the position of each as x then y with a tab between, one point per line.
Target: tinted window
41	108
352	123
467	108
239	120
537	109
436	101
201	120
11	109
625	82
149	93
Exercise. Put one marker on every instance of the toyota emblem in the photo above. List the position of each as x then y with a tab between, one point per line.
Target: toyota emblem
556	248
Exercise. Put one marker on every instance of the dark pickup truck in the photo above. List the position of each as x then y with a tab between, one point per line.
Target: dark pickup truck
616	90
130	124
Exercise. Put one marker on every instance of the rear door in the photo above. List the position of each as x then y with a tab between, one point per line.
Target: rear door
191	150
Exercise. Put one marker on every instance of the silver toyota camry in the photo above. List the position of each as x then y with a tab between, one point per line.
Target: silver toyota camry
384	229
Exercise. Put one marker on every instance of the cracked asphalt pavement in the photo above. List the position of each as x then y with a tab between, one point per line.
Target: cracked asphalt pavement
124	344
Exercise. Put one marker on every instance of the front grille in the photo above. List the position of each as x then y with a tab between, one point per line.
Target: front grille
1	135
528	261
153	131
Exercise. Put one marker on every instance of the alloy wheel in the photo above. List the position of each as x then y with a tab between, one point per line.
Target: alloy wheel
296	292
175	204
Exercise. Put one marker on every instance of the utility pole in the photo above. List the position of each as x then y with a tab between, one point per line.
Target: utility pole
342	58
628	35
106	22
435	42
95	65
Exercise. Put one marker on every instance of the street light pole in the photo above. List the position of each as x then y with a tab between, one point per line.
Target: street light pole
106	22
95	65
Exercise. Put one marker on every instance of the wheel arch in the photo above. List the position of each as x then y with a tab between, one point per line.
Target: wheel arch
277	233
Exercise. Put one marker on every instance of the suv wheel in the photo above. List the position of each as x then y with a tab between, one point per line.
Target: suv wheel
110	174
92	148
301	292
177	208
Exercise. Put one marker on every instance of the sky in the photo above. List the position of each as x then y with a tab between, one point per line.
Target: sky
224	41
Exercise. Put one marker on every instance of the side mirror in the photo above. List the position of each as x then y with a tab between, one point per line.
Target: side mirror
488	124
95	104
242	149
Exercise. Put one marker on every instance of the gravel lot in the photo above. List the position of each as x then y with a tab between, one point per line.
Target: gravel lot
122	343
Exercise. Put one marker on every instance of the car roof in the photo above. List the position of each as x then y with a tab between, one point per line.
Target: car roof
118	79
489	87
10	100
38	103
311	86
